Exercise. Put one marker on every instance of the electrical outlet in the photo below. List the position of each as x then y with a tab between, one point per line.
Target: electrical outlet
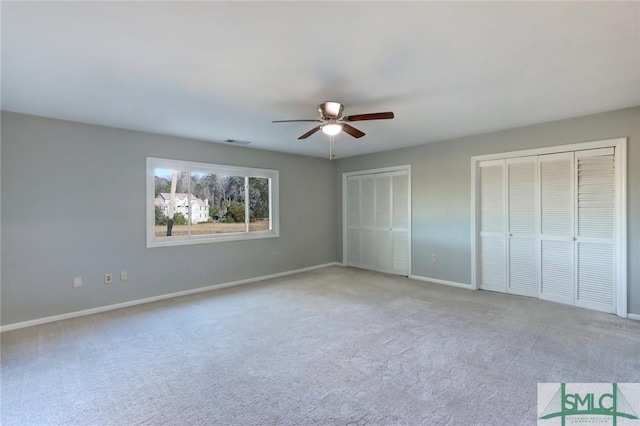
275	254
434	257
123	276
108	278
77	282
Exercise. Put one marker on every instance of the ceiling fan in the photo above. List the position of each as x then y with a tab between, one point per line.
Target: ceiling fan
332	121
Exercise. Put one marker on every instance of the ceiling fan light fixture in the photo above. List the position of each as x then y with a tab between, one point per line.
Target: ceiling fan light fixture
330	109
332	129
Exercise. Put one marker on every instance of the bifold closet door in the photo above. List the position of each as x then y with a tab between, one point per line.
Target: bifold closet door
492	244
384	231
378	222
557	192
353	221
577	245
367	222
595	230
522	241
548	226
392	223
400	222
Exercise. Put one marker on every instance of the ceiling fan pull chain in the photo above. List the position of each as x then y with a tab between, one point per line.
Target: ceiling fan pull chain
331	146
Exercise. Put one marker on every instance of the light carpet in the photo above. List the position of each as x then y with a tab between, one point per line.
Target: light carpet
332	346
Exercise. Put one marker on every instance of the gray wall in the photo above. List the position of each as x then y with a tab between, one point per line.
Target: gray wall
73	204
441	188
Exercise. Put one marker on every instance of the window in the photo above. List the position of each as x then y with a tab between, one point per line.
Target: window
192	203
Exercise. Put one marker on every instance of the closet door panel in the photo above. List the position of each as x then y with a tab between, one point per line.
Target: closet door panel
557	189
384	251
401	201
492	200
522	209
596	277
383	202
401	252
596	193
595	212
353	221
492	244
523	267
368	249
353	202
557	271
353	247
400	222
367	222
367	202
556	194
492	264
384	235
523	206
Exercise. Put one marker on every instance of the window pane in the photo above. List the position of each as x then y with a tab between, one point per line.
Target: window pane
203	189
170	204
259	204
217	204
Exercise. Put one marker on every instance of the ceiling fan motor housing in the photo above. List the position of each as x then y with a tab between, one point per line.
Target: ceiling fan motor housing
330	110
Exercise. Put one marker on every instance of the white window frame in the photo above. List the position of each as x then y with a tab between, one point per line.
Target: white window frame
218	169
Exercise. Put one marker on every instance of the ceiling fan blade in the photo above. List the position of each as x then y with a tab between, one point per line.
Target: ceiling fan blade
310	132
296	121
371	116
350	130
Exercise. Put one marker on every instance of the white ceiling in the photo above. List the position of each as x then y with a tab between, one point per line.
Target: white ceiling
225	70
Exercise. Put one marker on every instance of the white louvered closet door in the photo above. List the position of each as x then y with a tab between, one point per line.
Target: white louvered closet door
400	222
384	234
377	221
353	221
595	230
522	240
367	222
557	191
548	227
492	265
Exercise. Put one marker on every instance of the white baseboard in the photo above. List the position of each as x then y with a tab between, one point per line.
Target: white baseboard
634	317
437	281
99	309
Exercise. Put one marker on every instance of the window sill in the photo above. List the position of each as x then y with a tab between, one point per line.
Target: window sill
206	239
